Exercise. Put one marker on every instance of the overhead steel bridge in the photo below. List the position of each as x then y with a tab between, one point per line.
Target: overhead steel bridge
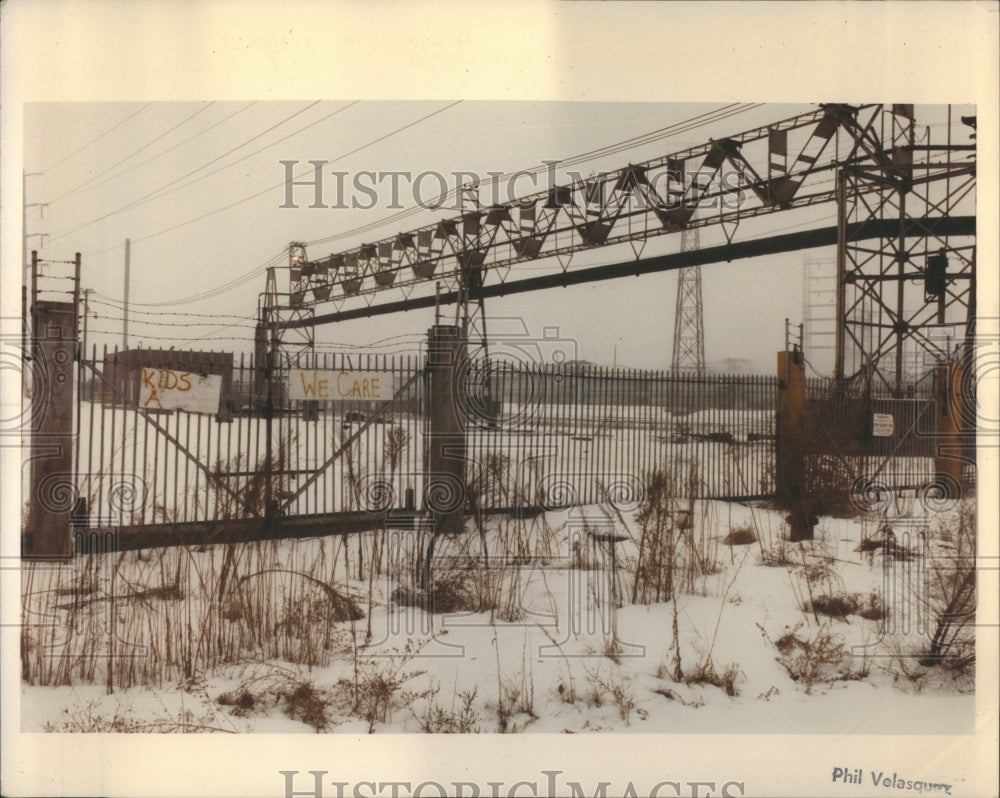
899	202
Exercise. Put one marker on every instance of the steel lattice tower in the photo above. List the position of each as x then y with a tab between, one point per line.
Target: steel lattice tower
689	328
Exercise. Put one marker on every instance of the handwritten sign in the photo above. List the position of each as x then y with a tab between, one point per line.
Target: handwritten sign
325	385
167	389
882	425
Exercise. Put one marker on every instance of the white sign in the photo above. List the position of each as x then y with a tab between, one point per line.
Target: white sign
168	389
882	425
319	384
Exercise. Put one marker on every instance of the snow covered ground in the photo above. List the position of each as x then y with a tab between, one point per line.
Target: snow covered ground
554	635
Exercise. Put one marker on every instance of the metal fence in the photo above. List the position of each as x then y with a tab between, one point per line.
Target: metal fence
536	437
859	435
554	436
139	465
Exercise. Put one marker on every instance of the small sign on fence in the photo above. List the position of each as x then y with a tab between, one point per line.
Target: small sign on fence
168	389
882	425
321	384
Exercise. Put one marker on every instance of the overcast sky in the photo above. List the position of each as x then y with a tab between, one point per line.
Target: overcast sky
197	187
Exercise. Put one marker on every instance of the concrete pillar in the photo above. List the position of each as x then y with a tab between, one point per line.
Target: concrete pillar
445	492
52	491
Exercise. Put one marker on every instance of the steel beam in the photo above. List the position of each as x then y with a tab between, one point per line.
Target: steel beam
771	245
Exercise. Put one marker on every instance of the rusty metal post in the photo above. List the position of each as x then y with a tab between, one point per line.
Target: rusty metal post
841	299
948	456
52	490
445	494
790	483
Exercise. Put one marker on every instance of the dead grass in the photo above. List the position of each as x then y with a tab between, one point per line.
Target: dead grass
870	607
461	717
811	657
742	535
152	617
613	687
706	673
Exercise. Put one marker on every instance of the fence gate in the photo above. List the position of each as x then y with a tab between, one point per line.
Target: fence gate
858	438
328	441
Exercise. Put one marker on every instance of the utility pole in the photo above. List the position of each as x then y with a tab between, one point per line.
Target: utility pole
128	252
24	222
86	312
24	254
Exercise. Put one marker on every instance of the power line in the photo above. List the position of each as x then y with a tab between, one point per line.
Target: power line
302	174
235	283
117	333
173	324
278	185
161	191
174	147
96	139
133	154
120	305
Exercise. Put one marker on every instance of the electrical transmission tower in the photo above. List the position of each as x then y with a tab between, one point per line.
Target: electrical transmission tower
689	328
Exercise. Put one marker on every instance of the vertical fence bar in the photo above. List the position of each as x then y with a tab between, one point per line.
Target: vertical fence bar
80	511
90	424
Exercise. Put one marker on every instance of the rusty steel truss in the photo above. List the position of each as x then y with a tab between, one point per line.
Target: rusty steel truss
903	205
905	298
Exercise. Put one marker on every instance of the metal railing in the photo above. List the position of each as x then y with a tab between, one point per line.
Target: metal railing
536	437
551	436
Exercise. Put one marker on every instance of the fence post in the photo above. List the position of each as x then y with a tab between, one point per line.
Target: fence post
445	484
52	489
948	430
790	483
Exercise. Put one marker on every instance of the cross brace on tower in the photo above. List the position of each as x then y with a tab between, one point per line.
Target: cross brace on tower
689	327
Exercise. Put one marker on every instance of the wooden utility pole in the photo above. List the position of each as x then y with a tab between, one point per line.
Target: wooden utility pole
128	257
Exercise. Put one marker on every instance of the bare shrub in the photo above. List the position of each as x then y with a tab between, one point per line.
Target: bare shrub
241	700
455	592
309	705
828	485
451	591
811	658
88	717
297	696
654	570
705	673
614	687
378	686
145	618
776	556
657	568
515	694
742	535
517	697
870	607
461	718
951	598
